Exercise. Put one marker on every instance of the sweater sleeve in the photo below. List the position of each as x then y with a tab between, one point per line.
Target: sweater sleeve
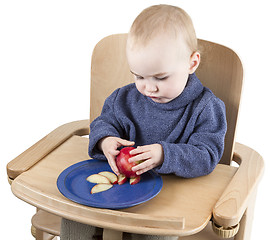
204	148
104	125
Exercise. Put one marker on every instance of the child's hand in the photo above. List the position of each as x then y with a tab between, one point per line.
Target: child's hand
109	147
151	155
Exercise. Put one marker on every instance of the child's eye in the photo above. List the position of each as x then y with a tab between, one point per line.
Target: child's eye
162	78
138	77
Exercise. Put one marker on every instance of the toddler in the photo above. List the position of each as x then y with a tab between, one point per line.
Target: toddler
176	124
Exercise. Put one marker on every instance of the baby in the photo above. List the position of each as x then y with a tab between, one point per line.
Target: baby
176	124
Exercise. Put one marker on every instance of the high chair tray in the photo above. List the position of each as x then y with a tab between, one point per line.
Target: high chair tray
182	207
72	184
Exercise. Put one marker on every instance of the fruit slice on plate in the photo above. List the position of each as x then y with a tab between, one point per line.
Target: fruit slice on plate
122	179
101	187
134	180
97	178
111	176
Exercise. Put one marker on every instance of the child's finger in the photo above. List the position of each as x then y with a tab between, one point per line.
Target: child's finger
124	142
114	152
112	164
143	167
138	150
140	157
143	170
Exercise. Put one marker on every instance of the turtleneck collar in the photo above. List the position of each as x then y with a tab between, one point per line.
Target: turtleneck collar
192	90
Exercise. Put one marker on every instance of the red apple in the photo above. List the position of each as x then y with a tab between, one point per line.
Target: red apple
96	178
101	187
123	164
122	179
111	176
134	180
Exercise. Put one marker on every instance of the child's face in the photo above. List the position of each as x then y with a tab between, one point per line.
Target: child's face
161	68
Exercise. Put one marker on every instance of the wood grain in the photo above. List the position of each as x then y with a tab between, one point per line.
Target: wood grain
46	145
183	207
237	196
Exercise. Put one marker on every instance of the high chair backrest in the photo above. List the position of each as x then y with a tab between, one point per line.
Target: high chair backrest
220	70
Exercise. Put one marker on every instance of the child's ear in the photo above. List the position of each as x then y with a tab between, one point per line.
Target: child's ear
194	62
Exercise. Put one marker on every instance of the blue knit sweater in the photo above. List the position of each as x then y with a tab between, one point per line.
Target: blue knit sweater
191	128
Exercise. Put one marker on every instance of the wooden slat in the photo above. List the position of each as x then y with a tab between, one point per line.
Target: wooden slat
47	222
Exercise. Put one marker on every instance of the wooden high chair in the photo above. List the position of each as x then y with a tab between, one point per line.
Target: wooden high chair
184	207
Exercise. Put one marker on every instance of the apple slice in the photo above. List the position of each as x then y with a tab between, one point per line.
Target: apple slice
134	180
122	179
101	187
96	178
111	176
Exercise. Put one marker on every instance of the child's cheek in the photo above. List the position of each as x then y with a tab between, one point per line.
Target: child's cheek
139	87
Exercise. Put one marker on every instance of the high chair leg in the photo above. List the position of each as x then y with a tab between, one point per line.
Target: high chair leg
246	221
40	235
109	234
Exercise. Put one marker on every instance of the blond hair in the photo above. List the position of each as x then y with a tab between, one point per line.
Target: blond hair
163	19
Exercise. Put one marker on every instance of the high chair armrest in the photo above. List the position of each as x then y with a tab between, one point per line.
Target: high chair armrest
232	204
46	145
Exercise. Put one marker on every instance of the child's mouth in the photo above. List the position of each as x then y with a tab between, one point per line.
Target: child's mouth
155	99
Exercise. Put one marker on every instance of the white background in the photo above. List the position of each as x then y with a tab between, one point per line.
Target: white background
45	56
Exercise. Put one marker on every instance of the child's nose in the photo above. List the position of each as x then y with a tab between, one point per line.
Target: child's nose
151	86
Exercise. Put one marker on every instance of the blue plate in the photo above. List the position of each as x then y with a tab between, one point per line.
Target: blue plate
72	184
